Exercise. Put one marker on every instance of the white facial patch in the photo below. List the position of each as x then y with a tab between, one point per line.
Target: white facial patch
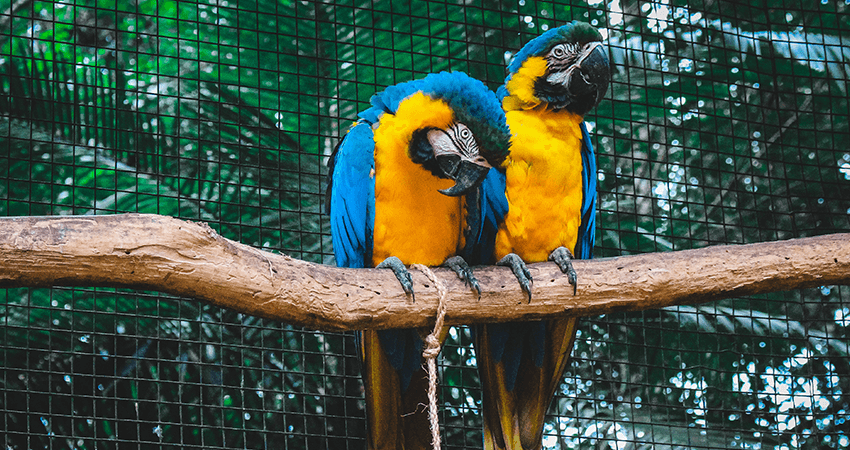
442	143
561	77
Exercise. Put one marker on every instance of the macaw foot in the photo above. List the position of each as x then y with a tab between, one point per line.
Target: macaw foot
520	271
401	273
562	257
463	271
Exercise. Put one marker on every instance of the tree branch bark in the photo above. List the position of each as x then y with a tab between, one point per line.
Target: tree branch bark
150	252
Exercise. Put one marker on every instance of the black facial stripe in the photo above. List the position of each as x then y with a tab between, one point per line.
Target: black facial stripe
467	146
560	65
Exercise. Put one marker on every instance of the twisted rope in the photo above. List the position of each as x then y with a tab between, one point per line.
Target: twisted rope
432	349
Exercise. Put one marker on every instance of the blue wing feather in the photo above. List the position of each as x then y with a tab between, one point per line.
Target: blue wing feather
587	229
352	197
492	206
495	207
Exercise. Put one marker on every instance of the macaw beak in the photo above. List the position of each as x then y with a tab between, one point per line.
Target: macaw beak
593	72
458	158
468	173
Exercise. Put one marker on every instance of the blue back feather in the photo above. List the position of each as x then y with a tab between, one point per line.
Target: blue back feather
460	91
472	103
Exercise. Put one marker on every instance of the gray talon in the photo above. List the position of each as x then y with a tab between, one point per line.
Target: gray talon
520	271
401	273
464	272
562	257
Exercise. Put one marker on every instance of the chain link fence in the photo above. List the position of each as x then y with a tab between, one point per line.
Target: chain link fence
725	122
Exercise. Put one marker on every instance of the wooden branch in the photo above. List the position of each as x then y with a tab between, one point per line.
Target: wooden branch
150	252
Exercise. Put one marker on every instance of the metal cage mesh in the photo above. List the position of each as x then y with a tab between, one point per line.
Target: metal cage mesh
724	123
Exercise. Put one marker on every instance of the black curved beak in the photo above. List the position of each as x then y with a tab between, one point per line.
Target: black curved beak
593	74
468	174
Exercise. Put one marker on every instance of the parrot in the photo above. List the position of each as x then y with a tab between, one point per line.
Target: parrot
539	205
397	195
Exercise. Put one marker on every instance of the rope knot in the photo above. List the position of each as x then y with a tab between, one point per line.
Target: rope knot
432	347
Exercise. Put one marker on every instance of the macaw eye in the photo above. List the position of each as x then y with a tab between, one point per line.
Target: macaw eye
465	133
558	51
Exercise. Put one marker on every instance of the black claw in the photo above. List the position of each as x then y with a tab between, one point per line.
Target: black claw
520	271
464	272
401	273
562	257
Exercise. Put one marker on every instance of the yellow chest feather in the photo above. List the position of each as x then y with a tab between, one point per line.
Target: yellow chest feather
543	185
413	221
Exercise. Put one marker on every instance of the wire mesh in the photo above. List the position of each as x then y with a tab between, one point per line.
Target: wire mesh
724	123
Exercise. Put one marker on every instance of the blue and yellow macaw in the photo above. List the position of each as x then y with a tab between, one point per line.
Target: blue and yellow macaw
546	211
398	180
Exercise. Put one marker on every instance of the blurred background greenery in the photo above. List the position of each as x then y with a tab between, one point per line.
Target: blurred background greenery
726	122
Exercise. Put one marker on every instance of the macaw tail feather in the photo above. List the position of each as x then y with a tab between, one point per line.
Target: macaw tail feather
514	418
396	415
394	420
501	429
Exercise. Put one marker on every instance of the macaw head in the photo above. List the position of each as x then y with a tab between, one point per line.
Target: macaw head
462	132
563	68
452	153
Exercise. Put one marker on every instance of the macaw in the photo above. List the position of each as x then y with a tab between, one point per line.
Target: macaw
542	205
392	202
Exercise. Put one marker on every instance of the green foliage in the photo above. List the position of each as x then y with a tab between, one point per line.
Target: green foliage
725	123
